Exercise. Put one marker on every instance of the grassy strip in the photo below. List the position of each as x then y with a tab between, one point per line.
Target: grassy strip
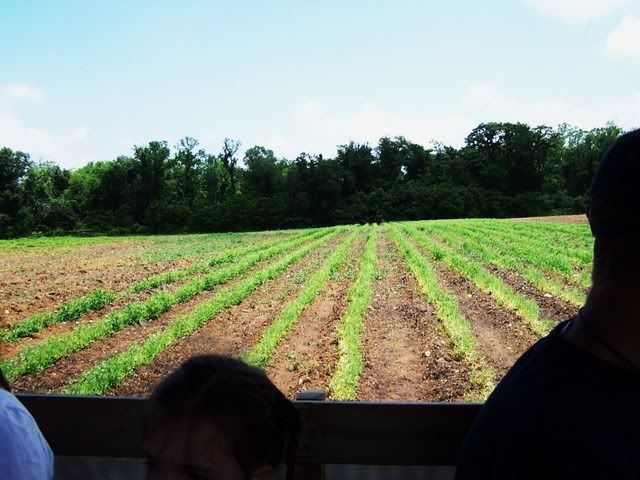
472	270
579	232
169	248
262	352
455	325
100	298
67	311
36	358
114	370
473	246
558	244
344	382
568	258
200	267
49	243
532	254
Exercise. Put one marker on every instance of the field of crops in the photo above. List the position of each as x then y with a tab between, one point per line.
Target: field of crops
429	311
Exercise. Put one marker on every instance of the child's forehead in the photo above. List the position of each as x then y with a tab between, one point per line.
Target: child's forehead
186	436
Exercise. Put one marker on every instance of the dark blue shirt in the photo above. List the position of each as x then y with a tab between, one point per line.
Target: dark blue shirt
560	412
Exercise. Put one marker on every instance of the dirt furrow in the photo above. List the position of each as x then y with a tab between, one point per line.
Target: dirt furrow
231	332
57	376
306	358
406	357
39	282
10	349
501	334
551	307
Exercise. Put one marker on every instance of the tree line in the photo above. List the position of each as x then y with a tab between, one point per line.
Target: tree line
502	170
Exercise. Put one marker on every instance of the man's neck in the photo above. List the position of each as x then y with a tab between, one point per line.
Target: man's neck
609	328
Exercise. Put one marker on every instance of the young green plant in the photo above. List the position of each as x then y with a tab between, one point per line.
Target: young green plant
111	372
344	382
36	358
261	354
454	324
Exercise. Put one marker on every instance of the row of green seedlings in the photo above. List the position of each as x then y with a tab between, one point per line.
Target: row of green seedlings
452	322
580	254
559	243
531	252
175	247
573	232
473	270
113	371
35	358
344	382
475	246
101	298
543	254
542	251
261	354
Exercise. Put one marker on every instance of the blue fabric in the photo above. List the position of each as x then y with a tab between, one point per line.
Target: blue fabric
24	452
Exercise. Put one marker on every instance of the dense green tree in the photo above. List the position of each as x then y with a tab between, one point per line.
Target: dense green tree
188	162
14	166
502	170
150	171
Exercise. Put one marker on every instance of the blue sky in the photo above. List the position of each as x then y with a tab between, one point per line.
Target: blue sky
85	81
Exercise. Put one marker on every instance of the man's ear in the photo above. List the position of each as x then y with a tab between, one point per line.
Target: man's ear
263	473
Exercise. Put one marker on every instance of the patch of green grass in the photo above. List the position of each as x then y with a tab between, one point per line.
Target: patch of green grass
542	254
227	256
474	247
344	382
169	248
47	243
67	311
579	251
473	271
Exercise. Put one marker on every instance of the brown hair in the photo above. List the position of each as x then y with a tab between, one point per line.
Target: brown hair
4	383
261	424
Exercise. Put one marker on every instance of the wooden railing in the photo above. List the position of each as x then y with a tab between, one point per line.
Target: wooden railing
355	433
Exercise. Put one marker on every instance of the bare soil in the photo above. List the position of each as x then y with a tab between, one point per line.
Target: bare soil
41	281
558	219
10	349
406	358
233	331
551	307
501	334
57	376
306	358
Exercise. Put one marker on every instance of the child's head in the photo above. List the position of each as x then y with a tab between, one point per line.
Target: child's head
4	383
214	418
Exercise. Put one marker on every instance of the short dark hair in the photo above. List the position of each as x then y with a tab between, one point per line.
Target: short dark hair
261	424
614	209
4	383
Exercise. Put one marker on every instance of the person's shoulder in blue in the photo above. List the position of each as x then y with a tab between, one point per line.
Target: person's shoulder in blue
24	452
570	406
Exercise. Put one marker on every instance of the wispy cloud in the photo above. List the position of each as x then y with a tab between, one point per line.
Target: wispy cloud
492	102
42	144
24	91
624	39
320	130
577	11
325	130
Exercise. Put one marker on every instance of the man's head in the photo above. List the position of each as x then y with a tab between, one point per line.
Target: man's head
614	215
